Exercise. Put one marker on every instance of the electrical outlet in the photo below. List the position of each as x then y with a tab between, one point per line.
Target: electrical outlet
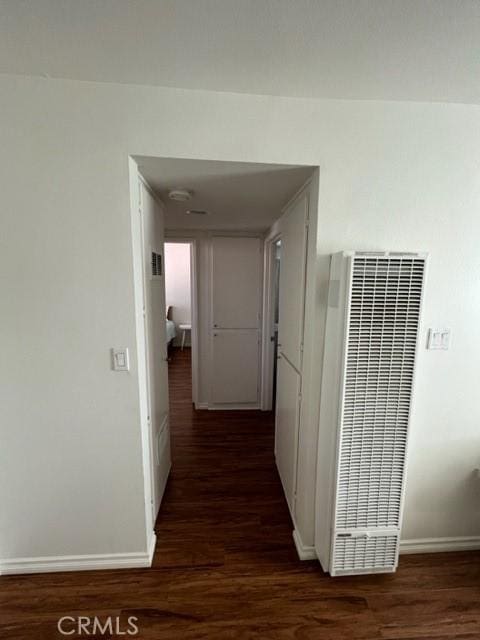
438	339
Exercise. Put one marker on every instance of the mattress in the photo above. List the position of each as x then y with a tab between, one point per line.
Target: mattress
171	331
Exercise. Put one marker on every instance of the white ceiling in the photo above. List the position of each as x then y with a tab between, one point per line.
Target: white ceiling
237	195
423	50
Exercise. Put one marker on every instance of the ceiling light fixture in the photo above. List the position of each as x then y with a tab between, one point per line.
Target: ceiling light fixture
197	212
180	195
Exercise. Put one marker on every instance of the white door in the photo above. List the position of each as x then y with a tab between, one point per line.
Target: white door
294	231
286	426
236	273
236	281
155	332
292	281
235	366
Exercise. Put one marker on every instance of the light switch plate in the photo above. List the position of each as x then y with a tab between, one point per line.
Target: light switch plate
120	360
438	339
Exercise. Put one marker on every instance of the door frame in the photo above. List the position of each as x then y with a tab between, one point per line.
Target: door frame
135	179
268	347
178	238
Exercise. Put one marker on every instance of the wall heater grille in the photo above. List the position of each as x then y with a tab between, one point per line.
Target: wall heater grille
381	342
381	317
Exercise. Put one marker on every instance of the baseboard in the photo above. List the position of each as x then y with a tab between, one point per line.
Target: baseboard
233	407
151	548
49	564
200	406
421	545
304	552
440	545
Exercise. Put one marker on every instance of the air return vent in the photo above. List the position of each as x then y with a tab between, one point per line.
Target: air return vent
157	266
369	366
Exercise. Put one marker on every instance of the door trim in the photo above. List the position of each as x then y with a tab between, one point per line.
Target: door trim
141	346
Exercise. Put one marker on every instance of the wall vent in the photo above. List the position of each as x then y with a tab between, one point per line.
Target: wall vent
157	265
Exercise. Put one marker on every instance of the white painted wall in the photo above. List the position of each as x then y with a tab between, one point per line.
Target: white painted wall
177	285
393	176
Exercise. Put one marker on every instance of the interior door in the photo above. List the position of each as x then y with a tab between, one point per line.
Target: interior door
235	313
294	231
155	332
236	273
235	366
286	425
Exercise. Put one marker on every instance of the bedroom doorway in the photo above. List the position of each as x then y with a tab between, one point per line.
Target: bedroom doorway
181	320
271	299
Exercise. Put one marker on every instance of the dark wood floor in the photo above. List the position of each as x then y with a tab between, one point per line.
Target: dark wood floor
225	566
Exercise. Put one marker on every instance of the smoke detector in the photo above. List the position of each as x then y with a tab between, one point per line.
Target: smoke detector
180	195
197	212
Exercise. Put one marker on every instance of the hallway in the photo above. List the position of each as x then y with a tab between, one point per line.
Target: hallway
223	503
225	566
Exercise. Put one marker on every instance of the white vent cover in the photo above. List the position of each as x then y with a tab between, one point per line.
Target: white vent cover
382	296
364	553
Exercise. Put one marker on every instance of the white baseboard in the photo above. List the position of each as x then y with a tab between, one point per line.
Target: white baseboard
226	407
305	552
421	545
440	545
151	547
49	564
233	407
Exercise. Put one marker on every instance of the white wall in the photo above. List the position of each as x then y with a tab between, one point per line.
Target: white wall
177	284
393	176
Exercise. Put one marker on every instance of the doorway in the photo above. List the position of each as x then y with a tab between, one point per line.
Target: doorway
218	244
181	308
271	307
277	249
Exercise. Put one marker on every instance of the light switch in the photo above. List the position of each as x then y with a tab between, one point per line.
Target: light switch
120	359
438	339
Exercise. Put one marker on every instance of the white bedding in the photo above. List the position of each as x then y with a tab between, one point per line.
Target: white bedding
171	331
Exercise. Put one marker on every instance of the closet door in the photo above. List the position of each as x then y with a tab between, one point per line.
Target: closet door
235	320
286	426
292	281
236	272
294	231
235	366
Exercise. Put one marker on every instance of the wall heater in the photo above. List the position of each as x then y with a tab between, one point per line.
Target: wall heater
373	319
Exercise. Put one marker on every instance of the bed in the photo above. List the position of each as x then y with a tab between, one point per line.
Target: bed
170	330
